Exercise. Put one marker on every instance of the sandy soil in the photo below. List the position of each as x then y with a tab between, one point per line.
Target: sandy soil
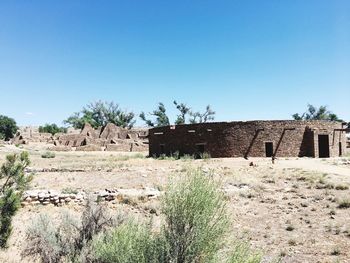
265	200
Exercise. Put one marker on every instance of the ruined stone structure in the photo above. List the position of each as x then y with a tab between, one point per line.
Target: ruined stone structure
251	139
109	138
29	134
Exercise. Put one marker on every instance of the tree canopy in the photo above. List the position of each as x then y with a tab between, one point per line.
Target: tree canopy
162	118
52	128
185	115
101	113
314	113
8	127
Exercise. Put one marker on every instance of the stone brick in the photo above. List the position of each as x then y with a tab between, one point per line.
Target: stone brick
247	139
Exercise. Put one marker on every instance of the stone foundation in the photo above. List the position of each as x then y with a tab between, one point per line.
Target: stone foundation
57	198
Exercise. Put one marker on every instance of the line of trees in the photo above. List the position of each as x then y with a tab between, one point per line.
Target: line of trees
101	113
185	115
314	113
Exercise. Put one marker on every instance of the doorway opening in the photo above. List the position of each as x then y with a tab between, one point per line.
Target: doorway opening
162	149
340	149
200	149
323	146
269	149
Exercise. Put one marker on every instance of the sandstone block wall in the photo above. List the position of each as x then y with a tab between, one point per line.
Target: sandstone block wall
247	139
109	138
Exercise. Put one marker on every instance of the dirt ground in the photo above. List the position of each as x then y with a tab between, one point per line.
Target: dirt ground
288	209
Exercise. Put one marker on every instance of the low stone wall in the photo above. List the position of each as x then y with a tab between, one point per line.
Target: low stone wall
57	198
46	197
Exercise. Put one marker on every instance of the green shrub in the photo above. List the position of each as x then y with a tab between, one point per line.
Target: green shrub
195	221
341	187
8	128
9	204
70	241
15	182
343	204
43	241
195	216
128	243
48	155
242	253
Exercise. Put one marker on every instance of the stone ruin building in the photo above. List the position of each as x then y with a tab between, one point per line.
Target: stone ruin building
30	134
251	139
108	138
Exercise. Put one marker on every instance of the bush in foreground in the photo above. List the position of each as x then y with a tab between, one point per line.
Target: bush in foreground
71	240
196	218
15	181
195	222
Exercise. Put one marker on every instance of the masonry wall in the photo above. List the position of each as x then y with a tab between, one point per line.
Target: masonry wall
240	139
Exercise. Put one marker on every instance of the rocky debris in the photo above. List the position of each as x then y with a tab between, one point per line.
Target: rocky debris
121	194
46	197
232	189
53	170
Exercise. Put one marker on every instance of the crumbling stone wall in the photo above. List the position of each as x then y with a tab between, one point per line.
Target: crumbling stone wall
57	198
247	139
29	134
109	138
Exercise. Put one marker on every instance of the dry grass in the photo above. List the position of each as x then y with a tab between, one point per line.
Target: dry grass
303	194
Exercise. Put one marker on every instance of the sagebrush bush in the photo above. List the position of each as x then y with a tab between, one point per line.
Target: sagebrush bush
195	221
70	241
344	203
195	216
43	242
128	243
242	253
48	155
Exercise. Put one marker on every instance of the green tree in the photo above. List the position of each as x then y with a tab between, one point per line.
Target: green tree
8	127
99	114
202	117
52	128
162	118
15	181
184	111
314	113
185	115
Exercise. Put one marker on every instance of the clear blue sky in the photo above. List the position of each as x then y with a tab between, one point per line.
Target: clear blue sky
247	59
